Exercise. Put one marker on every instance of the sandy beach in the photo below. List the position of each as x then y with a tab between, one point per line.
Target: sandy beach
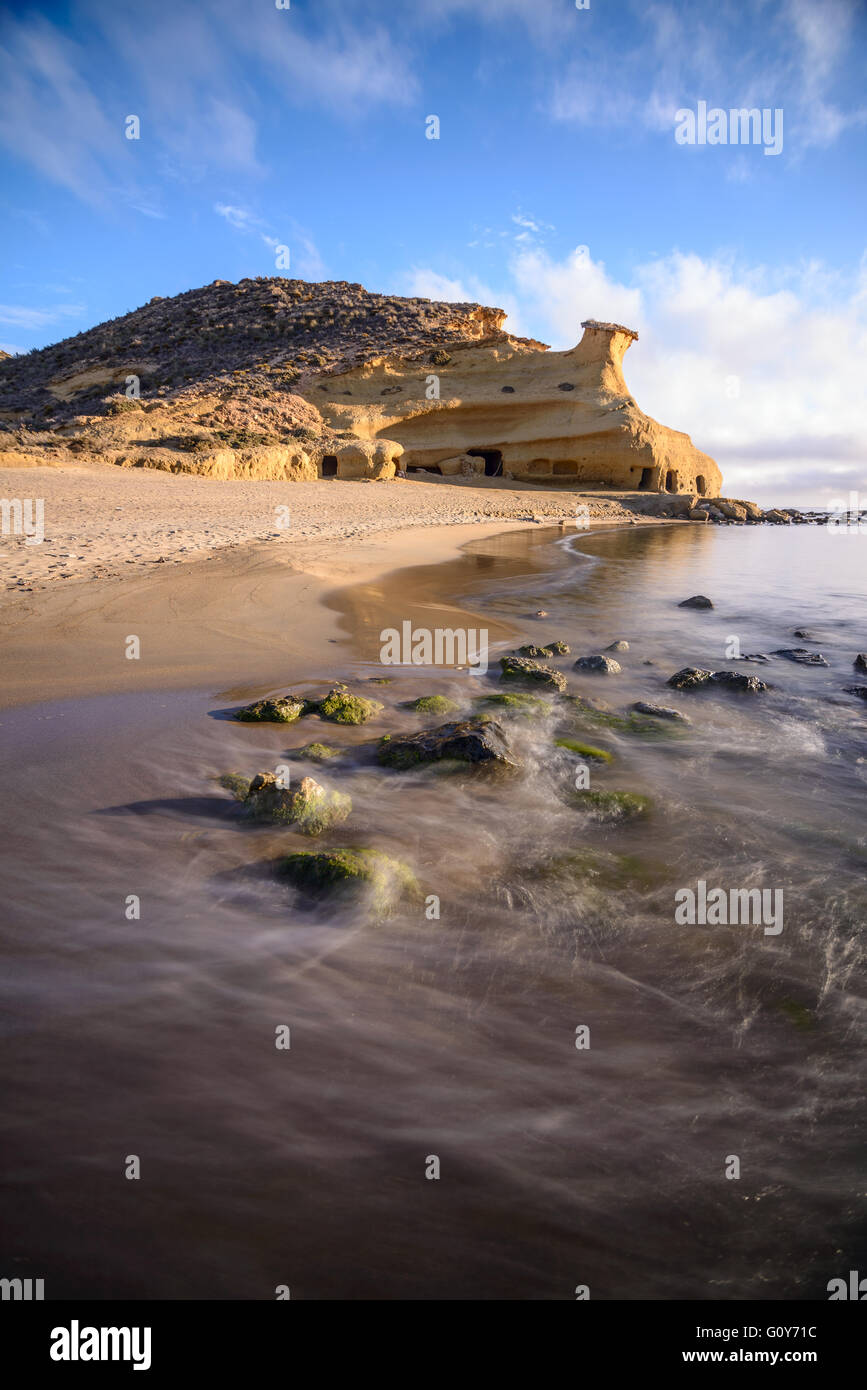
220	580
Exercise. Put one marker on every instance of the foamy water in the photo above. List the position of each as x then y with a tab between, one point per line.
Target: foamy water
456	1037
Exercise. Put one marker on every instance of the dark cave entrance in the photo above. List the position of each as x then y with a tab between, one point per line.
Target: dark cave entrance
670	481
329	466
493	461
646	480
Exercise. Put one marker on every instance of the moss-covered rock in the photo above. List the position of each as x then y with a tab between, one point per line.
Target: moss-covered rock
596	714
316	752
802	1017
602	869
236	784
611	805
585	750
433	704
284	710
523	672
514	702
353	871
340	707
310	809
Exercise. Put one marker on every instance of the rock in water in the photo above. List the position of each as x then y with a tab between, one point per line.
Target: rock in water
284	710
609	806
340	707
603	665
694	678
860	662
433	704
689	678
659	711
311	809
735	680
621	645
317	752
553	649
352	872
524	672
697	601
801	656
859	690
468	741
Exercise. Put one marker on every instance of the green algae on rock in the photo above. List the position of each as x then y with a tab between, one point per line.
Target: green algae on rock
433	704
311	809
353	871
604	869
600	715
585	750
316	752
340	707
283	710
515	702
609	806
236	784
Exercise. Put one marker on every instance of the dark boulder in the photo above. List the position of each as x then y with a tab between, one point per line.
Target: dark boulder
524	672
602	665
801	656
468	741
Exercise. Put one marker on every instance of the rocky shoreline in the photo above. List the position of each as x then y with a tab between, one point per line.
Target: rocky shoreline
485	736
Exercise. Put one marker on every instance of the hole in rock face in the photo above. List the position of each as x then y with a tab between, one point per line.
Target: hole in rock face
329	466
565	386
564	467
493	460
700	485
670	481
646	480
508	390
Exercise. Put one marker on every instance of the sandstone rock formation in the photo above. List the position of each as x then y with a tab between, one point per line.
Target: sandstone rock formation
504	406
283	379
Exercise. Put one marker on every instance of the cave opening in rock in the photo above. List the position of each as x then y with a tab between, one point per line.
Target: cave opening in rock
329	466
646	480
700	485
493	461
670	484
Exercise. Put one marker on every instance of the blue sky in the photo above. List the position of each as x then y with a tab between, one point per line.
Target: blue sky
556	190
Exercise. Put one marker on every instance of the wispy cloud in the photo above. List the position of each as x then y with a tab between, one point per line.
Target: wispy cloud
777	53
24	316
304	253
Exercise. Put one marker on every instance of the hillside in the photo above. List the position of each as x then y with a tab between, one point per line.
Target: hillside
284	379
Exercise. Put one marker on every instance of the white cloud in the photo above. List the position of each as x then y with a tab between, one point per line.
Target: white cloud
240	218
763	368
